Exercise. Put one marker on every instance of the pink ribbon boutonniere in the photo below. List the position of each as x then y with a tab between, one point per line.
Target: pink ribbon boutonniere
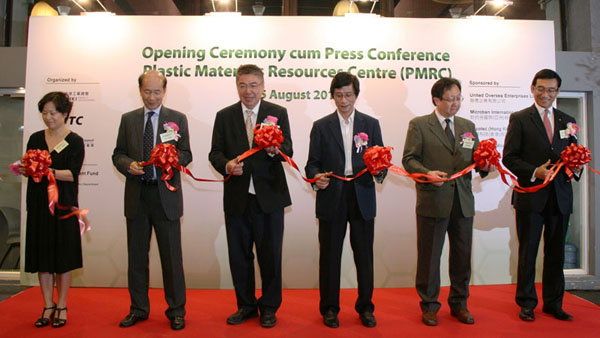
172	127
361	140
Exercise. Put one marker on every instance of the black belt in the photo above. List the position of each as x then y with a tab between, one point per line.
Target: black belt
149	182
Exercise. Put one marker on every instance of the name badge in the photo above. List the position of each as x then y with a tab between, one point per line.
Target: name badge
167	136
563	133
468	143
62	145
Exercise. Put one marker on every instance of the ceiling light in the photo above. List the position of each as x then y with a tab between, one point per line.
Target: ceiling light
43	9
78	5
502	4
258	8
222	1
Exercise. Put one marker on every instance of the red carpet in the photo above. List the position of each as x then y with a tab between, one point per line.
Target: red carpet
95	312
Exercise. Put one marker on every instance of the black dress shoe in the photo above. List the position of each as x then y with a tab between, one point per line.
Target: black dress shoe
429	318
527	314
268	319
131	319
331	320
177	323
241	315
559	314
463	316
368	319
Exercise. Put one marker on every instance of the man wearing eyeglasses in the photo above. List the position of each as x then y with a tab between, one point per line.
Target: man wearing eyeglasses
534	140
337	144
254	196
440	144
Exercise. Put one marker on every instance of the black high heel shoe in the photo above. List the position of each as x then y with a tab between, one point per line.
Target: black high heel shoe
57	321
43	321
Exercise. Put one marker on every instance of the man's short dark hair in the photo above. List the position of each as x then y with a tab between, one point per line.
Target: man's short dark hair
144	74
250	69
61	101
546	74
442	85
342	79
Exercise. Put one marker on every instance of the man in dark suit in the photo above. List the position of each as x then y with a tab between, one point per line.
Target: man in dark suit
440	144
254	197
148	202
334	149
534	140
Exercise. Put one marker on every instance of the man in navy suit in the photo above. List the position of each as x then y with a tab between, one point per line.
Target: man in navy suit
254	197
337	144
534	140
148	202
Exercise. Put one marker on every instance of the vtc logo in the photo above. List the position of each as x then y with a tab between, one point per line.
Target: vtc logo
78	120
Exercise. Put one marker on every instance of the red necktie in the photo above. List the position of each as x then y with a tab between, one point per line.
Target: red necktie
548	126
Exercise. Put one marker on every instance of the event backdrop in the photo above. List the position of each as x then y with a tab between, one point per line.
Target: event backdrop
98	59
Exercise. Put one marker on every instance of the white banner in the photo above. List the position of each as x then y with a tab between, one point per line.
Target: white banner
98	59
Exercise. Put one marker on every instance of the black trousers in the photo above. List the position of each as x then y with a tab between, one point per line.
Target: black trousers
431	233
331	241
168	237
530	226
265	232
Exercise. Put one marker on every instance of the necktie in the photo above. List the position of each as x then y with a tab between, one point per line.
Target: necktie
148	145
448	132
249	127
548	125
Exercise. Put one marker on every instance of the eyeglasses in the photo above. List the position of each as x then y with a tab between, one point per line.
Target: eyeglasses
252	85
550	91
339	96
453	99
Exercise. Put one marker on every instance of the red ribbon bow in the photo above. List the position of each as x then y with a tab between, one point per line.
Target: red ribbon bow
37	164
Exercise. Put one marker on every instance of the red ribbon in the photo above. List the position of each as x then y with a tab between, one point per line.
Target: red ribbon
575	156
165	157
36	164
268	135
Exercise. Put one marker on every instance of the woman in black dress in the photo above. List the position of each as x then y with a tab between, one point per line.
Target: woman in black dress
53	246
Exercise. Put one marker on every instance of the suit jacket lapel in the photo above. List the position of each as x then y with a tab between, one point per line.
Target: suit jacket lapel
335	129
559	124
139	133
436	129
459	129
163	117
359	127
239	120
537	121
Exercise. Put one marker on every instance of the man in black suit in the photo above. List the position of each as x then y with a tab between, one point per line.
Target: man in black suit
254	197
440	144
534	140
336	147
148	202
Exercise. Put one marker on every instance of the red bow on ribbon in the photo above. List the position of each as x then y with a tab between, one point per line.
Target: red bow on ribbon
268	135
165	157
37	164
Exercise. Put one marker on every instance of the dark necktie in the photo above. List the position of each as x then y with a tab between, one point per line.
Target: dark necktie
448	132
148	145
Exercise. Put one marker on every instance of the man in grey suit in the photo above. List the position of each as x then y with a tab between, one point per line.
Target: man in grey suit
333	149
148	202
440	144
